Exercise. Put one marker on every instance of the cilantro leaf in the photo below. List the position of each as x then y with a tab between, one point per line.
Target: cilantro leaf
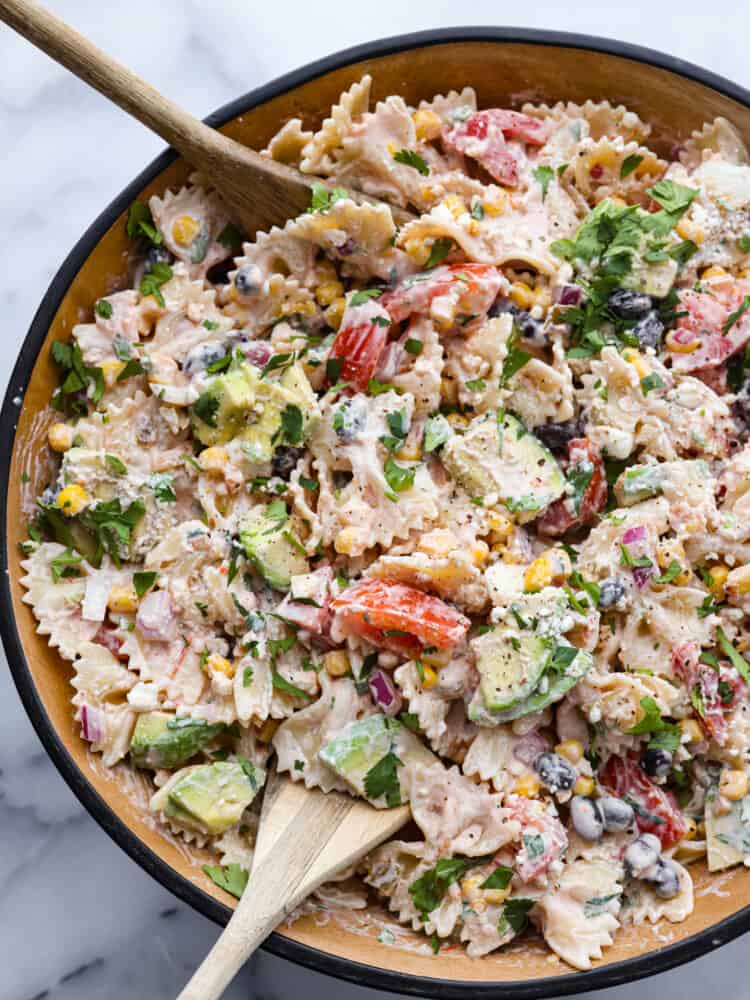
653	381
499	879
382	780
143	582
739	663
673	198
116	465
439	251
634	562
428	890
733	317
162	485
411	159
364	295
206	407
323	198
231	878
292	424
671	573
744	243
629	164
513	362
133	367
413	347
111	527
398	477
652	722
545	176
579	477
230	237
140	223
153	279
515	914
65	565
103	309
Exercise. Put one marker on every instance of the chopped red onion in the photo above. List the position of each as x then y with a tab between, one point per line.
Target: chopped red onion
570	295
258	352
529	747
641	576
155	619
92	724
636	534
384	692
107	638
390	361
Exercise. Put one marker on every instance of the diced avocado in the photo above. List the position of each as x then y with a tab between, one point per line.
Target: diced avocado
161	740
240	403
212	797
727	835
364	744
498	455
221	411
564	668
510	663
641	482
270	542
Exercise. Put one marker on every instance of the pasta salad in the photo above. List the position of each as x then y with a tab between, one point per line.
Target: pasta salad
451	513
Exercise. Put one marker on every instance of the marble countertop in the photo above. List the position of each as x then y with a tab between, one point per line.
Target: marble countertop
77	917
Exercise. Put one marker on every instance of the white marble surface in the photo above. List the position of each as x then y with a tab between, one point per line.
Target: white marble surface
78	919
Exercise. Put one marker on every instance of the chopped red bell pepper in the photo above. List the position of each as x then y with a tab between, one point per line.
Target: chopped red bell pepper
574	511
483	135
656	810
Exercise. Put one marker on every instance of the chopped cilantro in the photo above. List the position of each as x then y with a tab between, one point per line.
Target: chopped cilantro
437	430
231	878
634	562
364	295
382	780
140	223
292	424
116	465
143	582
103	309
733	317
206	407
671	573
323	198
153	279
65	565
439	251
162	485
411	159
476	385
499	879
629	164
544	176
652	381
398	477
414	347
739	663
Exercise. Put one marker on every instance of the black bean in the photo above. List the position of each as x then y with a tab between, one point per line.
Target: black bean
557	436
641	854
648	330
555	772
665	879
218	274
628	304
586	817
203	355
657	763
528	327
158	255
618	815
611	592
285	460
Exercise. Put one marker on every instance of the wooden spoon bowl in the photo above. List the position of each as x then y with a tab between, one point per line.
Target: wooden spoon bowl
505	67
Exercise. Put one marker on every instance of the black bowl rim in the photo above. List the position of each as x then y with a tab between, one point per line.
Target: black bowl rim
629	970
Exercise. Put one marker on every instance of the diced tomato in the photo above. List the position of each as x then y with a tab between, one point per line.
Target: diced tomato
483	135
313	613
472	288
398	617
656	810
707	315
360	341
709	684
534	858
561	516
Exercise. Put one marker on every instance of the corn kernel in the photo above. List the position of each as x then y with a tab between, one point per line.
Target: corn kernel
455	205
268	730
691	730
458	421
678	347
636	360
335	312
429	677
345	541
328	291
60	437
538	575
571	750
669	552
689	230
473	228
738	581
122	600
480	552
500	526
299	307
72	500
336	663
584	786
719	574
691	828
410	452
418	251
325	271
439	658
522	295
733	785
428	125
496	203
213	460
528	786
496	896
111	371
713	272
220	665
185	229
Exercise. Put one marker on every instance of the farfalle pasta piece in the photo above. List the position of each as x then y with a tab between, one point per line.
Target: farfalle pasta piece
718	137
615	698
579	914
641	903
602	118
287	144
56	605
191	221
491	757
607	168
112	335
318	154
106	719
454	106
430	708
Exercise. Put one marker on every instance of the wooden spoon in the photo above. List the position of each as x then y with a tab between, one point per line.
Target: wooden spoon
260	192
305	838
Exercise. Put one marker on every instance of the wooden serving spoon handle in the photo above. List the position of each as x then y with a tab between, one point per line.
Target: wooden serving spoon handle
260	191
305	838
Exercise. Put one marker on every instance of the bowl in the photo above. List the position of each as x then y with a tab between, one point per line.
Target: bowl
506	66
